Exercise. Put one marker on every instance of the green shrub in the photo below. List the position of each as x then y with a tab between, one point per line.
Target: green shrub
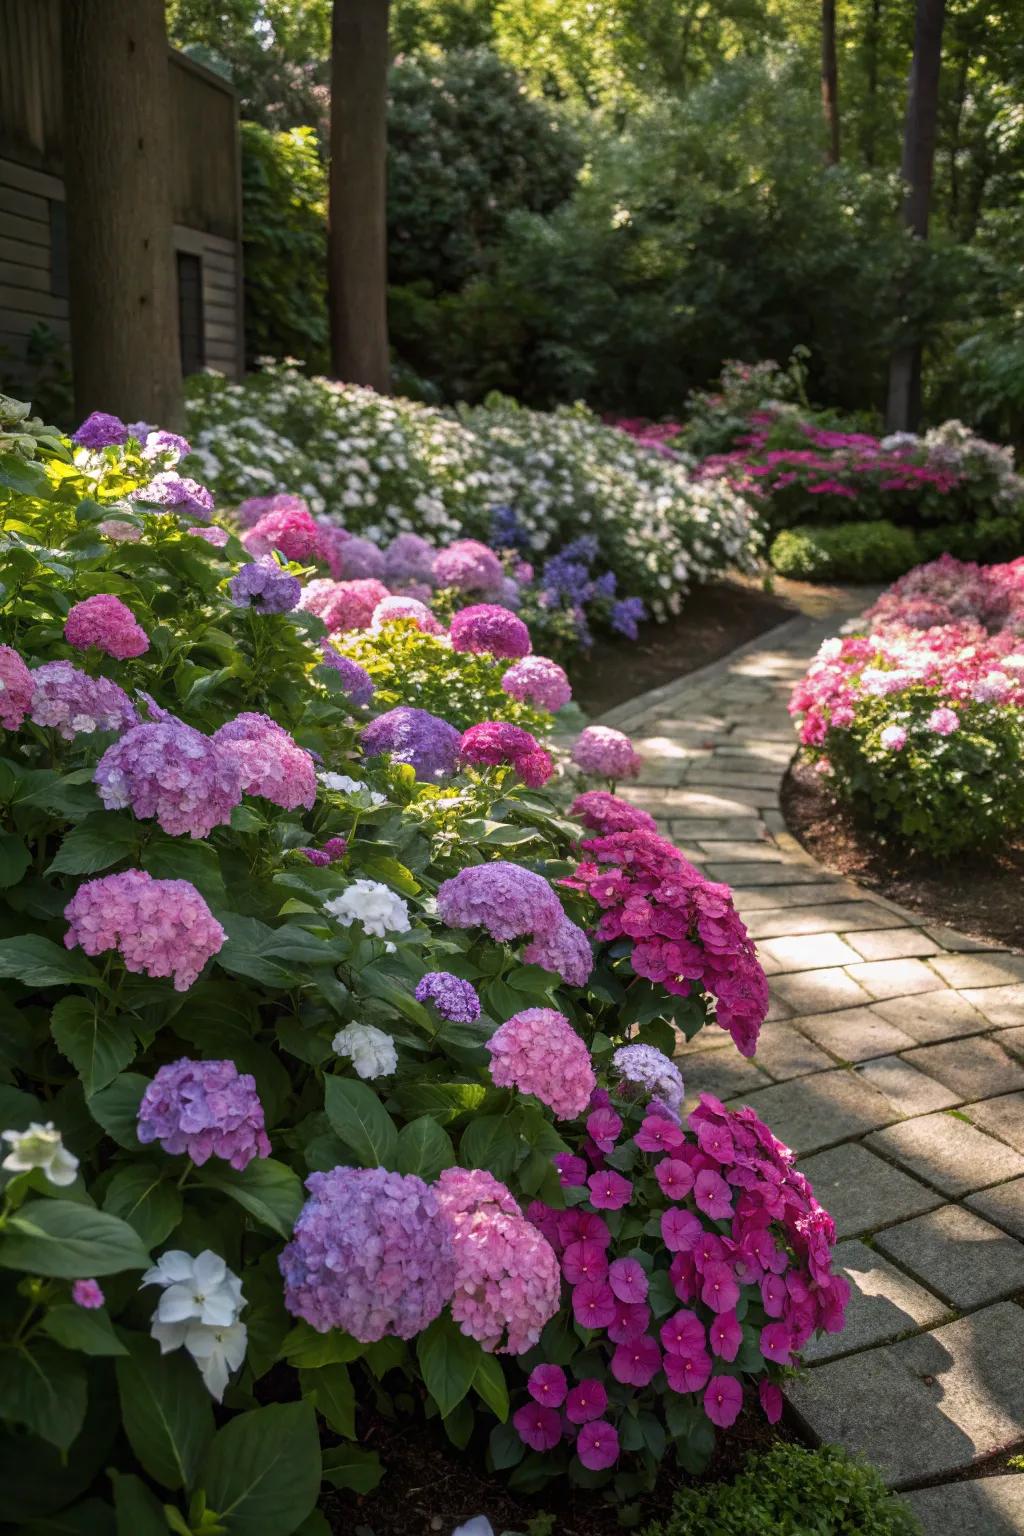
876	551
790	1491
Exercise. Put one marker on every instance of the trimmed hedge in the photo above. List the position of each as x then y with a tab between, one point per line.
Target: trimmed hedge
876	551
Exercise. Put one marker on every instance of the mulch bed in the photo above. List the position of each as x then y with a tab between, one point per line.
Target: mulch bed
430	1488
982	897
714	621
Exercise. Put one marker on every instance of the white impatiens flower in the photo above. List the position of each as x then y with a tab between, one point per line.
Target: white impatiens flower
373	904
370	1050
199	1308
41	1147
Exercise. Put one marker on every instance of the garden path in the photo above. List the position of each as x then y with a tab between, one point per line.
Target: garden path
893	1062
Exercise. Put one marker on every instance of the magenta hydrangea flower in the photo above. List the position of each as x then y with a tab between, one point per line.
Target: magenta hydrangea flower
101	430
539	1052
605	813
271	764
87	1294
73	704
159	927
586	1402
538	681
496	742
606	753
415	736
468	565
167	770
204	1109
372	1253
290	529
488	628
16	689
454	999
392	609
538	1427
263	585
357	683
409	558
107	623
177	492
564	949
597	1445
507	1280
343	605
505	899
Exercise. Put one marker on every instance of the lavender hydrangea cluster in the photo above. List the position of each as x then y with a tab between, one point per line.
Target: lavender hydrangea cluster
409	558
72	703
271	763
469	566
563	948
101	430
371	1253
263	585
167	770
178	493
205	1109
355	680
414	736
360	560
651	1070
159	927
505	899
454	999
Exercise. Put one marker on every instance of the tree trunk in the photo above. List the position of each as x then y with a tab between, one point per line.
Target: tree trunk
872	33
904	407
830	79
357	231
117	152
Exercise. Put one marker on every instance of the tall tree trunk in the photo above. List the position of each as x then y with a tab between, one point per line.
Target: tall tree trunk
830	79
872	33
904	407
117	151
357	231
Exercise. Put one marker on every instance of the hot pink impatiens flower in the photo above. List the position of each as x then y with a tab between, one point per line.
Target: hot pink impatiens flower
632	1318
680	1230
675	1178
726	1336
538	1427
609	1191
771	1401
586	1402
712	1195
689	1372
584	1261
723	1400
683	1333
636	1362
597	1445
628	1280
719	1290
547	1385
593	1304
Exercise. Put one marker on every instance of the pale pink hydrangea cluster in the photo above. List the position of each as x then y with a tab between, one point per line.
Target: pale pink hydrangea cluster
539	1052
159	927
204	1109
249	512
470	566
16	689
271	763
107	623
391	609
507	1279
538	681
344	604
604	753
72	703
167	770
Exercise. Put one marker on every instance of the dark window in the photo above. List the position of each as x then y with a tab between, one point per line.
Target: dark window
58	250
190	312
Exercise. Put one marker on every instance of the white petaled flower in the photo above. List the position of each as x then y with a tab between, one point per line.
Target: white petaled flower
374	905
343	785
217	1352
41	1147
370	1050
199	1308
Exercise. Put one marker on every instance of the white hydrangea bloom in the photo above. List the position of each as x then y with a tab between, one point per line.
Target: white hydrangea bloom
343	785
373	904
370	1050
199	1309
41	1146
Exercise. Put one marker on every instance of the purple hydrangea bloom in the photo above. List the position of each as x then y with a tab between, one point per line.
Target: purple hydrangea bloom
356	681
504	898
178	492
140	430
158	443
563	948
360	559
263	585
205	1109
453	998
409	558
470	566
371	1253
650	1069
250	511
487	627
101	430
74	704
417	737
626	615
168	770
507	532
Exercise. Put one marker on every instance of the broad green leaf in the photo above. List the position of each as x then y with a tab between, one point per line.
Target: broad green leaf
44	1388
424	1148
382	867
489	1383
143	1196
14	859
445	1101
305	1348
246	952
448	1361
262	1472
39	962
165	1410
346	1466
72	1242
116	1108
176	858
490	1142
97	1046
95	843
90	1518
139	1511
359	1118
333	1396
75	1327
267	1189
25	476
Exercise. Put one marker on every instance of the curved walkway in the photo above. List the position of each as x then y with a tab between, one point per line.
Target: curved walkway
893	1062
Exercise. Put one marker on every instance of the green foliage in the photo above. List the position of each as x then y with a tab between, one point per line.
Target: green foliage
871	551
790	1491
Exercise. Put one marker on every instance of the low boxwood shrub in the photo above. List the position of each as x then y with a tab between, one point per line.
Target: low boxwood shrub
790	1491
874	551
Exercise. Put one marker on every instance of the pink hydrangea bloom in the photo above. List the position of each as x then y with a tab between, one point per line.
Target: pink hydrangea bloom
606	753
204	1109
271	764
292	530
391	609
16	688
488	628
87	1294
159	927
539	1052
250	511
505	899
343	605
538	681
497	741
218	537
72	703
943	722
604	813
893	738
468	565
167	770
563	948
107	623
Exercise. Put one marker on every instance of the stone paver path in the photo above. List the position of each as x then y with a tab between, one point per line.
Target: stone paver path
893	1062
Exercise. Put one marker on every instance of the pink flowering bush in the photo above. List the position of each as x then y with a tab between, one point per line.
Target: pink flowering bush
159	927
107	623
918	715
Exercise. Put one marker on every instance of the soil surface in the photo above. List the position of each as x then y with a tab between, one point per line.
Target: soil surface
982	897
429	1488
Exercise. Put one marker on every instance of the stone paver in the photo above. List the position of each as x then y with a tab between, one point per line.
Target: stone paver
884	1304
963	1258
892	1060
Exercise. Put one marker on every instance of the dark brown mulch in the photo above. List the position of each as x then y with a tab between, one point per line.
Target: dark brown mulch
714	621
982	897
430	1488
